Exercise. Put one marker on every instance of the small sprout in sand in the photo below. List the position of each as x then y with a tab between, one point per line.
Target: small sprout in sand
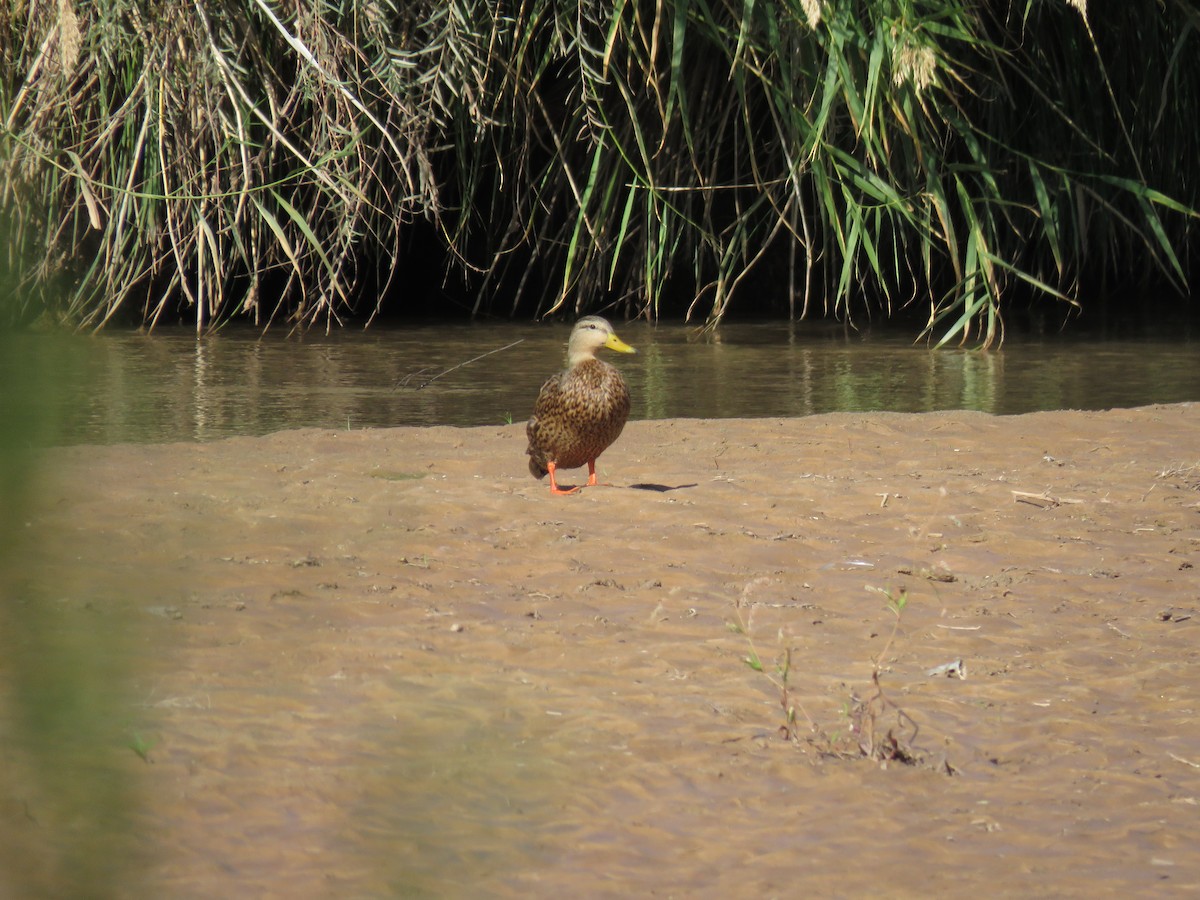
875	727
141	747
898	743
788	730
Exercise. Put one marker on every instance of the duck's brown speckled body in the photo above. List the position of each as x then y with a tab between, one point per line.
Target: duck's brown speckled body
580	412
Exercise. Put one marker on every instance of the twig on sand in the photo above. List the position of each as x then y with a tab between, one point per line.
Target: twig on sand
1043	500
403	382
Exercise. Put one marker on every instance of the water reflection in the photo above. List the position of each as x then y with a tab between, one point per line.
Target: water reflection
169	386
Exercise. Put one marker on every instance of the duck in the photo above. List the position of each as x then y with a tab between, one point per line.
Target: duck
581	411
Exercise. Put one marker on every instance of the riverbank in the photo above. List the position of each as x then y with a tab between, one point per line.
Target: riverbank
390	663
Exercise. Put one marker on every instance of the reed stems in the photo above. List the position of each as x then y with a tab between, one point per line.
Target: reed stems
212	159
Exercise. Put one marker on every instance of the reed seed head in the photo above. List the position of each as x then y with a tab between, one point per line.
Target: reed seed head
813	10
913	63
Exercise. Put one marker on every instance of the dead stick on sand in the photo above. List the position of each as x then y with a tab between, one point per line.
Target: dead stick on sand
404	381
1041	500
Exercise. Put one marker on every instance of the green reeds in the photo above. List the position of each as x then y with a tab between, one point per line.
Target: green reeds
212	159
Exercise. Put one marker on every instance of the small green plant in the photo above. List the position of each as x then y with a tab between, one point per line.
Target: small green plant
869	730
898	742
783	668
141	746
896	604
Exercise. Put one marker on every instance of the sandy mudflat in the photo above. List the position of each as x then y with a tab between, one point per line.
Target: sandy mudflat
389	663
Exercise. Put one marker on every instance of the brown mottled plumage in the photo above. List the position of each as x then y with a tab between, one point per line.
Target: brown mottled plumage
579	412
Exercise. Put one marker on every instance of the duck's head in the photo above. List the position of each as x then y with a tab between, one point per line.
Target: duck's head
589	335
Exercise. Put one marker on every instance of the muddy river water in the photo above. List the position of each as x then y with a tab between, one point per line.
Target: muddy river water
169	386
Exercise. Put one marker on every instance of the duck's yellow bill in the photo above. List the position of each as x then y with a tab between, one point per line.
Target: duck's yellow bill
615	343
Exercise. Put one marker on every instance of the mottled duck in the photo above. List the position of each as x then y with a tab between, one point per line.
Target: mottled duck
581	411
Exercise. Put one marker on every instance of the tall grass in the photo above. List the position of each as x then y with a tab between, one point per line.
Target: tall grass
212	159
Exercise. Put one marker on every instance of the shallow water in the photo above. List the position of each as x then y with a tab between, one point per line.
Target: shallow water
170	386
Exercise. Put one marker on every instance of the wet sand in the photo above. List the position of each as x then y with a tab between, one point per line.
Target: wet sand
389	663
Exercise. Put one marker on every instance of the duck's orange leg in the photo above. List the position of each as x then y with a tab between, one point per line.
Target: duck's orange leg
591	473
554	488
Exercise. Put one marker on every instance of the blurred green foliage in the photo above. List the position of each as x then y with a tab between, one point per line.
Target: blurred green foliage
66	792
